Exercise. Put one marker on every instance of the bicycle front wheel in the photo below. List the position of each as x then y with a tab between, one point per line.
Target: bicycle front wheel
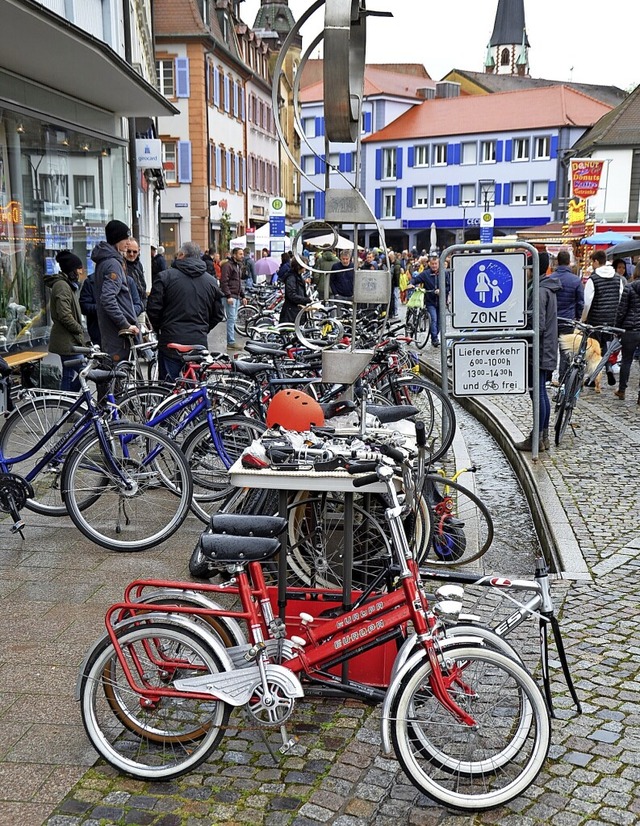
421	336
435	408
568	395
471	767
135	497
151	738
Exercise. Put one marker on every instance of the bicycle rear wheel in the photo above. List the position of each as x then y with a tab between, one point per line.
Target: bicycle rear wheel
568	395
109	513
471	767
154	739
29	422
461	525
421	336
208	468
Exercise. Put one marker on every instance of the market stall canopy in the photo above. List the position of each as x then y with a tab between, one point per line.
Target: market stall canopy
329	242
608	237
262	237
630	247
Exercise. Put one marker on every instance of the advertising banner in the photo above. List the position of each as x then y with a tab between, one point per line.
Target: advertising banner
585	177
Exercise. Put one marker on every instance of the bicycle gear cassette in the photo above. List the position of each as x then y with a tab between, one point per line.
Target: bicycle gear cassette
14	492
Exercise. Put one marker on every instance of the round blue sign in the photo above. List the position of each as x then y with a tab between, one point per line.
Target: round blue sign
488	283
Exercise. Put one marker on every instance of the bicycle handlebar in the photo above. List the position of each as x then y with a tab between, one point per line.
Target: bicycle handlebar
589	328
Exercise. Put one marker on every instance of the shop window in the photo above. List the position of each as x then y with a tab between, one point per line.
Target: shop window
84	192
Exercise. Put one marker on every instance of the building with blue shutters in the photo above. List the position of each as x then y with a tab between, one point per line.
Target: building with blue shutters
389	92
447	160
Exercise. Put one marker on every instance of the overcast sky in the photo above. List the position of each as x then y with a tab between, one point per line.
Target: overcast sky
588	41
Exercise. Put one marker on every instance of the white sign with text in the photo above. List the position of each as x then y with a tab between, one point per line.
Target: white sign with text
484	368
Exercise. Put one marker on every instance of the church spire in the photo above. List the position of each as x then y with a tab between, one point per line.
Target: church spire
508	47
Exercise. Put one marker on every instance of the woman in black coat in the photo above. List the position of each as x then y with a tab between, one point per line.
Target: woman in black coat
295	294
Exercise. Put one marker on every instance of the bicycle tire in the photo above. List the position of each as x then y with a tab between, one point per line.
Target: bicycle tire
423	328
247	314
32	419
128	520
410	322
471	768
316	542
150	741
461	525
434	406
570	390
137	403
208	469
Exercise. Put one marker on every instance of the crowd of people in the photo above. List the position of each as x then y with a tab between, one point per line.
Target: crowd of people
197	291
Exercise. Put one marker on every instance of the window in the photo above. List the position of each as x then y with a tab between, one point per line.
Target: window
84	191
389	203
309	126
54	189
469	153
468	195
440	154
309	164
310	206
334	161
487	194
169	153
166	77
421	196
542	148
421	155
519	193
488	152
438	196
389	164
540	192
520	149
504	57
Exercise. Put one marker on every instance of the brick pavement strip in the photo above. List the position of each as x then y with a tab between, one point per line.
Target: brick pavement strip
338	774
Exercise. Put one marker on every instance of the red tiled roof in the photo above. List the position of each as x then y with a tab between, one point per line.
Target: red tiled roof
378	80
543	108
176	17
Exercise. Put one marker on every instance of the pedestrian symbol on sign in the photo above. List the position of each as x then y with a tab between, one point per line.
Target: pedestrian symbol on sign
488	283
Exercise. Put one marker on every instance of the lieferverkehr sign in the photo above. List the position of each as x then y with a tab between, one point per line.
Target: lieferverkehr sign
148	153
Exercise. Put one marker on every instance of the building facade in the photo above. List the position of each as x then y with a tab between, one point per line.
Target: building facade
67	112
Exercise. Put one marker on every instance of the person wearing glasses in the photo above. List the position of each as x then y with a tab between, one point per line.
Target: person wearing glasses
135	269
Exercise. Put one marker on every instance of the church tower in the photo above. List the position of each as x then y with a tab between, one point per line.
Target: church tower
508	49
274	21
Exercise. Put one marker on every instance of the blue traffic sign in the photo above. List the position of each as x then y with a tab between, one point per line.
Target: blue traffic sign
488	283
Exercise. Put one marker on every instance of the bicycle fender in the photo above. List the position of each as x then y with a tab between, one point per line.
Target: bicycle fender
180	620
199	600
396	681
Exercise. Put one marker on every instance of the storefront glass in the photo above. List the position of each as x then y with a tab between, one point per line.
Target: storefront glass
58	189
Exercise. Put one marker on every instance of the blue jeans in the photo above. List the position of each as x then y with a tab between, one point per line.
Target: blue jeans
168	367
70	381
433	315
545	403
232	314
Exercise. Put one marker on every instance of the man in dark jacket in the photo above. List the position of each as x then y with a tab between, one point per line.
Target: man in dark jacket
117	316
430	279
602	294
135	269
231	280
570	301
184	304
158	262
628	319
67	331
548	357
342	277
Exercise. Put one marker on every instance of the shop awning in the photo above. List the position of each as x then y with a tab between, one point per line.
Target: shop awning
39	45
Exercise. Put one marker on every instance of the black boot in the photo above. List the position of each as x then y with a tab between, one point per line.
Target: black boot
545	444
527	444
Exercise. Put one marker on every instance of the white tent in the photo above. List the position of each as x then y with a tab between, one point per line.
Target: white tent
262	237
327	241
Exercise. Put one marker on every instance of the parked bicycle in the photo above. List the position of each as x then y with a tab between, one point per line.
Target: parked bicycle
127	487
574	379
468	724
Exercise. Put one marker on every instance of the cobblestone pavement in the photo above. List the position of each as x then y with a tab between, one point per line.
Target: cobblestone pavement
337	773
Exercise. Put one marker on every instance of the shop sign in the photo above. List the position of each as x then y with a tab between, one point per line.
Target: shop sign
585	177
148	153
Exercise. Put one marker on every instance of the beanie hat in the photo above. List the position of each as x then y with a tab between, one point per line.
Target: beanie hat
68	261
116	231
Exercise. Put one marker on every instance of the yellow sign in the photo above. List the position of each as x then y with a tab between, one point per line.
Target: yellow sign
11	213
577	211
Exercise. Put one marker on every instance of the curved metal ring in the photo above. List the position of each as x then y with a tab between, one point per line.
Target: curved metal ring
345	36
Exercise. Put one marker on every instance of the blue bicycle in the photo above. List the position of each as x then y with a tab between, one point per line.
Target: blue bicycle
126	486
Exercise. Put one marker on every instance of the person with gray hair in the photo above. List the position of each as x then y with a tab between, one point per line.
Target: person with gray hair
184	304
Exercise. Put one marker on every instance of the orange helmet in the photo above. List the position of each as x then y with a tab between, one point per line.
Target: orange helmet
294	411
